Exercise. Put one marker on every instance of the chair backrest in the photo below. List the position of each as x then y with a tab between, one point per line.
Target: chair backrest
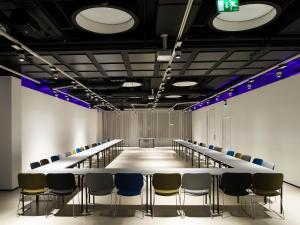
202	144
73	152
32	181
258	161
267	181
269	165
61	181
67	154
78	150
219	149
86	147
99	181
196	181
166	181
82	149
238	155
195	142
232	183
129	181
54	158
94	145
34	165
44	162
230	153
246	158
211	147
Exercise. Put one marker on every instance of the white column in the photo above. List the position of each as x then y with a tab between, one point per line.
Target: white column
10	132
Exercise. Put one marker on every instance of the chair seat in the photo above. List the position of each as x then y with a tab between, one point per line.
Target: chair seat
243	193
166	192
61	192
196	192
34	192
129	192
101	193
265	192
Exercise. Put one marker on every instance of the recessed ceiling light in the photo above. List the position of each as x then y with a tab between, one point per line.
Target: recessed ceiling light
249	16
105	19
131	84
184	83
134	97
173	96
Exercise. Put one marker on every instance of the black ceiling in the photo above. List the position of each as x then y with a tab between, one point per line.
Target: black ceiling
214	59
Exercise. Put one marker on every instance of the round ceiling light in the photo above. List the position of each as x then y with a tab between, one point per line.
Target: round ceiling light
105	19
173	96
249	16
184	83
131	84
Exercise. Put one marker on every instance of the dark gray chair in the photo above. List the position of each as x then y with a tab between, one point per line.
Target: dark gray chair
196	184
246	158
100	184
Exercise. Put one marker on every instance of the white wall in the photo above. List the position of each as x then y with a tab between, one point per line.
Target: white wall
265	123
51	126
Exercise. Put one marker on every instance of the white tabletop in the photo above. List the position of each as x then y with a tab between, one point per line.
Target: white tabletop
77	158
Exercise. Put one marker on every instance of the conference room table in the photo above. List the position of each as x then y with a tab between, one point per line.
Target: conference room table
235	166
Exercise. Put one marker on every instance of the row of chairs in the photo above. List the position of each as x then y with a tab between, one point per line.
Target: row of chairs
230	152
54	158
164	184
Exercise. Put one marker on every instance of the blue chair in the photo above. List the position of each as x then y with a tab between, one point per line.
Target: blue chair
211	147
230	153
78	150
129	185
54	158
258	161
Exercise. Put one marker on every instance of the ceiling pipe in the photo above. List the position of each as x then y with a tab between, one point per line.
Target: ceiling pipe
27	49
181	103
19	74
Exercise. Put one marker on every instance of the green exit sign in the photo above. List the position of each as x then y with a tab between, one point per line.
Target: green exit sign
228	5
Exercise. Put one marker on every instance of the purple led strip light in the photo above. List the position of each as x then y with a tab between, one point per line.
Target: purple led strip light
46	90
292	69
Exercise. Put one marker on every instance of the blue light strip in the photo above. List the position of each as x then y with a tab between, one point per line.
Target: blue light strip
292	69
46	90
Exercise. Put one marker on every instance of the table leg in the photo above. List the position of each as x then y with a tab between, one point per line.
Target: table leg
98	163
81	187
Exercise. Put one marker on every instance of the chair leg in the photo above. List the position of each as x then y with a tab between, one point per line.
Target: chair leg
142	202
73	206
153	205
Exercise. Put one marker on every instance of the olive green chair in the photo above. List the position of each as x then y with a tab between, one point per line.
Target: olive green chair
32	185
267	185
44	162
166	184
238	155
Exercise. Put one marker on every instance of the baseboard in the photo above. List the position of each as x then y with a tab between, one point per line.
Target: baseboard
9	189
291	184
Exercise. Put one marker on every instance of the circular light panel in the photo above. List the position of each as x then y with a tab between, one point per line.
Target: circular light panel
131	84
184	83
248	17
104	19
173	96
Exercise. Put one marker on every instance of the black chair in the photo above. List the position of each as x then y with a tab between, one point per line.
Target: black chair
61	184
87	147
34	165
54	158
44	162
246	158
235	184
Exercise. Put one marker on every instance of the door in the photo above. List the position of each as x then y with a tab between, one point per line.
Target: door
226	132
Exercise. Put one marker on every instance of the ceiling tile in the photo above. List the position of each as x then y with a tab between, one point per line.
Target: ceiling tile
85	67
109	58
209	56
113	66
91	74
241	55
117	73
278	55
184	57
49	58
75	58
142	57
248	71
229	65
142	66
221	72
29	68
262	64
201	65
143	73
62	67
177	66
39	75
195	72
